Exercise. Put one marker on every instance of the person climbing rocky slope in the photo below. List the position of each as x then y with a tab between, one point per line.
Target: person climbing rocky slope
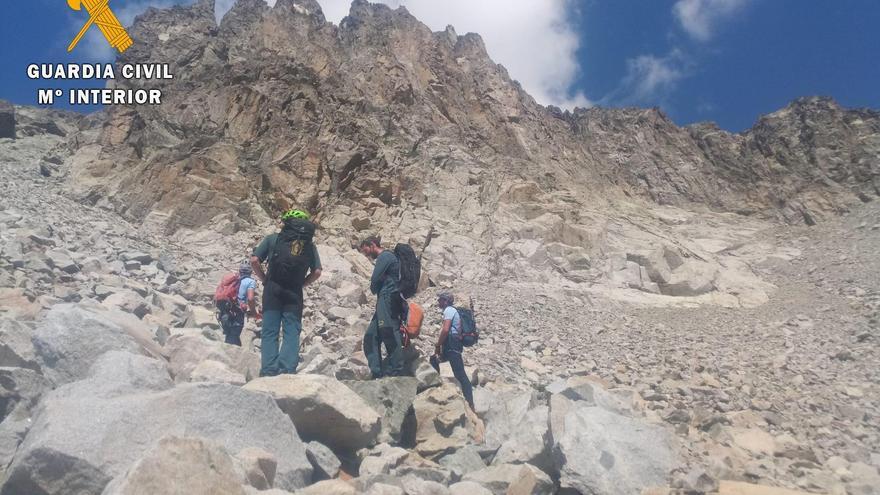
663	309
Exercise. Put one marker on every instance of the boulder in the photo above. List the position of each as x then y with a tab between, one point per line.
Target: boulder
61	259
503	408
350	294
128	301
329	487
16	348
20	390
17	305
426	375
171	303
323	460
210	370
529	442
71	337
591	391
259	467
693	278
131	265
323	409
200	317
179	465
12	432
674	274
444	422
138	256
381	460
119	373
463	461
83	437
392	398
385	489
602	452
415	484
754	441
518	479
468	488
7	120
187	351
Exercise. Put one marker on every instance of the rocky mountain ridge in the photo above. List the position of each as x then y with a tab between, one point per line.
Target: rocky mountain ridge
280	88
381	125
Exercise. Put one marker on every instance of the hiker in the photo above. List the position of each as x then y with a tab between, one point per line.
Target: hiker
293	263
235	298
384	328
247	305
450	345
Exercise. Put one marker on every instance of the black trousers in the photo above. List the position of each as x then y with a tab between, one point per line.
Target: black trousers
453	357
232	324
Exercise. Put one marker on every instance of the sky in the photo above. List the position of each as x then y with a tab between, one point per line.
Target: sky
727	61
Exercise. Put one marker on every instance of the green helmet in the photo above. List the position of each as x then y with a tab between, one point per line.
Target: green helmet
295	214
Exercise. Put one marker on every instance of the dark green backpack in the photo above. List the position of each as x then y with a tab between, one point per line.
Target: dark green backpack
470	335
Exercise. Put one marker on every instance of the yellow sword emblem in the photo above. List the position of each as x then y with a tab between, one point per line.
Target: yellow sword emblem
100	14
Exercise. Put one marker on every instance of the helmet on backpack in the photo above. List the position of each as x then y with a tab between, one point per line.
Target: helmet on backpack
295	214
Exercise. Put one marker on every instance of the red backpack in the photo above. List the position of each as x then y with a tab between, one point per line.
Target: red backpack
226	295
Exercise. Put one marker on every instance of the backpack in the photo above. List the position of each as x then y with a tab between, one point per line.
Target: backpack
226	294
469	334
411	323
410	270
290	259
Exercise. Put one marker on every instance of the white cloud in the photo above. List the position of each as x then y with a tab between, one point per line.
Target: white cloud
535	40
649	79
699	18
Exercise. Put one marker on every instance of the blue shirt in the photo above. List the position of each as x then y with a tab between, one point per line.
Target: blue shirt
450	313
243	286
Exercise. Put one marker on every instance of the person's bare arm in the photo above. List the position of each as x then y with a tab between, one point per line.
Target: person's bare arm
444	334
251	302
257	265
313	275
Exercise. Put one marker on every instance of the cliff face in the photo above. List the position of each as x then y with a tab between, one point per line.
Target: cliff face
382	125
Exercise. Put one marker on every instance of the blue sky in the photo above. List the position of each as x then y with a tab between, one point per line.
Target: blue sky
723	60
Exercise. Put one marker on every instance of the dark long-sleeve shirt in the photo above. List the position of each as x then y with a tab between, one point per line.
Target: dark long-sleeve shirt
386	273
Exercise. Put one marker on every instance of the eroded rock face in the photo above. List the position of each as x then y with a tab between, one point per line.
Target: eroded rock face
276	107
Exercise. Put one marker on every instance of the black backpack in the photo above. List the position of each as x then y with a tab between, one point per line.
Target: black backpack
290	259
470	335
410	270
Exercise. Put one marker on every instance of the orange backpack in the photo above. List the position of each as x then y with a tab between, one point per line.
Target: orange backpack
411	323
